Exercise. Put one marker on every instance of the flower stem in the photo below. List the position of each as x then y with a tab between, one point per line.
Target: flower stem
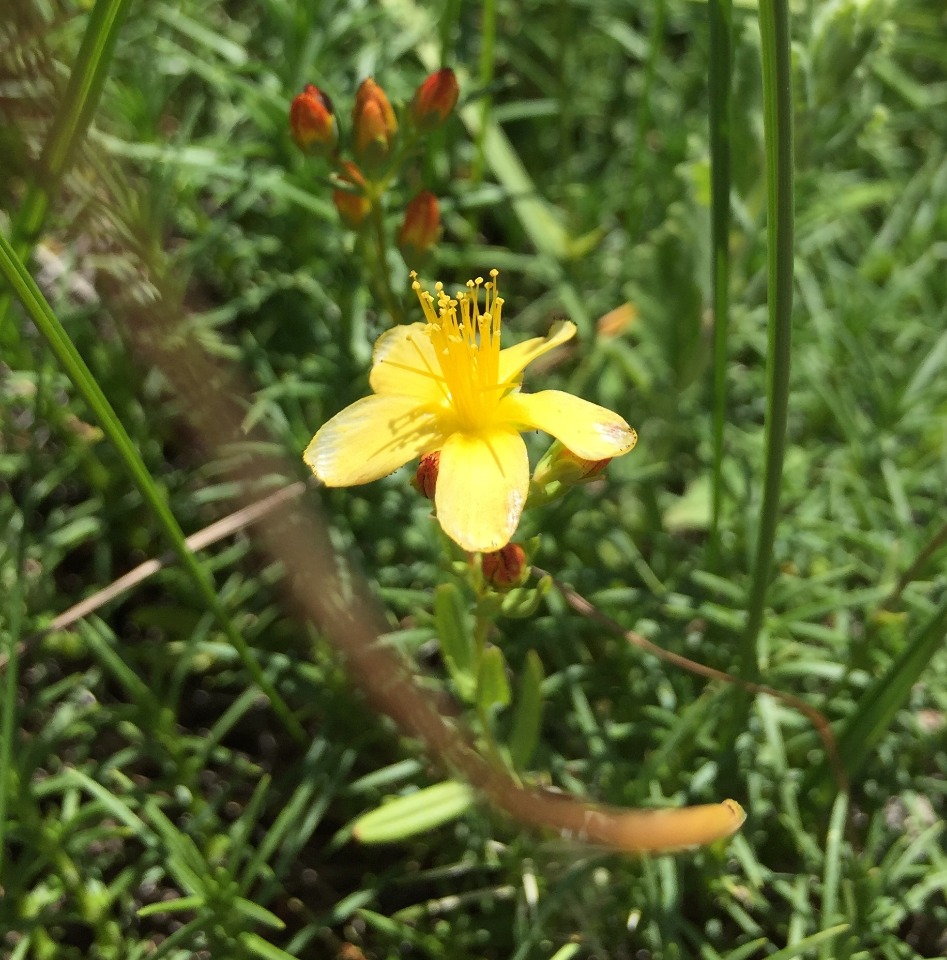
381	260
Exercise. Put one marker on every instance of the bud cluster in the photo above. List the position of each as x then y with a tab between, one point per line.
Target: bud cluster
379	147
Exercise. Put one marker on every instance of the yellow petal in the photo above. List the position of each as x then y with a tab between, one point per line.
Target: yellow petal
588	430
404	364
513	360
481	488
371	438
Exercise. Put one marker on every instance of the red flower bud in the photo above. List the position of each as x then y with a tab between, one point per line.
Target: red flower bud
425	480
420	229
312	121
505	568
434	100
373	123
353	205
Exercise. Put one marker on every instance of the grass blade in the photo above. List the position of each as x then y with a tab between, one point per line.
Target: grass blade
777	100
488	36
888	694
67	130
720	13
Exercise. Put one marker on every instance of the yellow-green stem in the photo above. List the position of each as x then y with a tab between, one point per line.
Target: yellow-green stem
381	262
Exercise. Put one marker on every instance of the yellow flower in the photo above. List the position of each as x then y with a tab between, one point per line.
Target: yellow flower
446	385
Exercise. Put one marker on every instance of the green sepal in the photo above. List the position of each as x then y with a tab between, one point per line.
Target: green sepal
263	948
524	601
416	813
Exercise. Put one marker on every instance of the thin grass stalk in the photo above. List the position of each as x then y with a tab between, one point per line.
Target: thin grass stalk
14	606
720	13
488	36
643	116
48	324
66	132
448	24
917	565
832	871
777	118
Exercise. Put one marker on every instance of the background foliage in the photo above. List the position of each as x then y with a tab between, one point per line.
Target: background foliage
153	805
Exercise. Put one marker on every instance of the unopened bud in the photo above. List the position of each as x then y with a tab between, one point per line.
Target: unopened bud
312	121
421	228
561	466
425	479
373	123
587	468
435	100
558	471
353	205
505	568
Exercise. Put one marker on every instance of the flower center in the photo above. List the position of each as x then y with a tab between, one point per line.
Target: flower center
466	342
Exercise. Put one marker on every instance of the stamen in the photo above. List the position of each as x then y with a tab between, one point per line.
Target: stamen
466	342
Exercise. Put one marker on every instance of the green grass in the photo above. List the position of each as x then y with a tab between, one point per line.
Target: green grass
152	802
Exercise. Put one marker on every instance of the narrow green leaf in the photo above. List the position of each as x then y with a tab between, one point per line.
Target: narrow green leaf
416	813
263	948
493	689
807	944
777	123
747	950
522	602
256	913
567	952
240	833
116	807
93	632
720	14
833	865
457	644
528	715
888	694
171	906
184	861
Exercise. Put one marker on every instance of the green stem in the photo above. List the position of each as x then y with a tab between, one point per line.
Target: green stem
14	606
917	565
720	81
777	117
488	36
643	118
48	324
381	260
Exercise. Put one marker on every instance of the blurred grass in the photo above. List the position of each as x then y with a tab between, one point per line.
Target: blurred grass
109	809
66	132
